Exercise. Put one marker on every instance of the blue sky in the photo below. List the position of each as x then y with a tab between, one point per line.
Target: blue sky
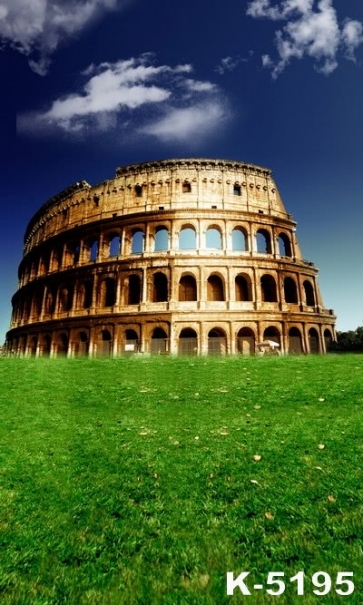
89	86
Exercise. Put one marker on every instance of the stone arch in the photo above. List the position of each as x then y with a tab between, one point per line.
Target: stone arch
37	302
309	293
314	341
213	238
133	289
137	241
239	240
272	333
93	250
290	291
187	288
268	288
107	292
84	299
246	341
295	341
45	345
56	260
33	345
188	342
131	341
71	254
81	347
65	299
217	342
104	343
215	288
114	245
44	263
263	241
243	287
284	244
62	344
159	343
50	300
159	287
187	238
161	242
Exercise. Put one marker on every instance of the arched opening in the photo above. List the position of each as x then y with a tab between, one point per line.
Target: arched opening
45	348
131	342
104	344
56	261
295	341
82	344
328	339
239	240
44	264
246	341
268	289
263	241
134	290
160	288
187	288
290	290
314	341
187	239
215	290
108	292
243	288
85	295
284	245
137	242
65	299
37	303
213	239
93	251
159	342
188	342
217	342
33	346
309	293
114	246
49	306
72	254
62	345
272	334
161	239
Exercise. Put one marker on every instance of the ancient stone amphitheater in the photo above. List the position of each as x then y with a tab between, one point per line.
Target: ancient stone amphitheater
174	256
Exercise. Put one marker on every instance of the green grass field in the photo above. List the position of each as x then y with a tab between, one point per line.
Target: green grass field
143	481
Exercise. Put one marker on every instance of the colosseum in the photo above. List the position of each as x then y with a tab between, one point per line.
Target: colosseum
191	256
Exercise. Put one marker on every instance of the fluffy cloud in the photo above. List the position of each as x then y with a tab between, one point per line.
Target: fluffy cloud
36	27
189	123
136	96
312	29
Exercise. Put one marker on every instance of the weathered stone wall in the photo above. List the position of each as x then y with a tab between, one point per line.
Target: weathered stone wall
189	255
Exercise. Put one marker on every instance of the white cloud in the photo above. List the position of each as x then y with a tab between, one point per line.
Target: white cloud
189	124
36	27
229	63
135	95
312	29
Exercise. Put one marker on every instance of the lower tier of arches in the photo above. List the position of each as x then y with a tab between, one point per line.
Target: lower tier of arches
164	336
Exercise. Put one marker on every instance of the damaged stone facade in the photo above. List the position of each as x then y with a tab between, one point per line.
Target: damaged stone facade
194	256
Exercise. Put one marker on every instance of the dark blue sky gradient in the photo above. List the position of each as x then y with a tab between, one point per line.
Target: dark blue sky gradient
306	126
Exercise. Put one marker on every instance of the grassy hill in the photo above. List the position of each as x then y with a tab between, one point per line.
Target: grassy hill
144	480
